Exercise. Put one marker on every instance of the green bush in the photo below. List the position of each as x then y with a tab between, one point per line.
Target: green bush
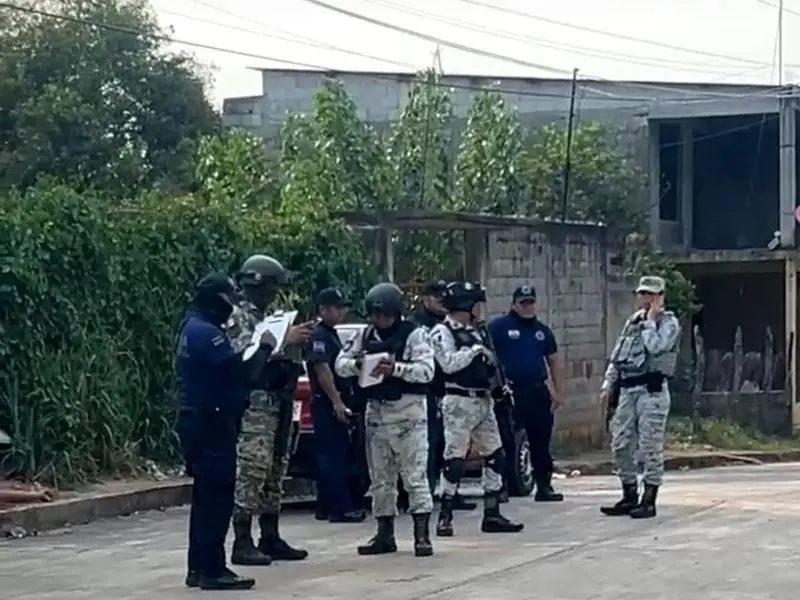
92	293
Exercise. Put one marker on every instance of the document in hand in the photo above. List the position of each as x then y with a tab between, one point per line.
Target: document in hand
277	324
368	364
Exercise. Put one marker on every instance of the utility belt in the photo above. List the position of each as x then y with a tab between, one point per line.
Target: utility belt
465	393
654	382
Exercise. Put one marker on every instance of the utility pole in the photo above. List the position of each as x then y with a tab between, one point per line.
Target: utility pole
568	154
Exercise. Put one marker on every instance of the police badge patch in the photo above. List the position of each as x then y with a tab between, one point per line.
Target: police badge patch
540	336
318	346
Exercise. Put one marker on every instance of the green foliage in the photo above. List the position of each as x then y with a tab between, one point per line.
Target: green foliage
419	146
96	106
604	186
491	157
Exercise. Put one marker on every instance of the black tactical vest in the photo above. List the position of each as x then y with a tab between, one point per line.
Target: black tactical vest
391	388
478	374
427	320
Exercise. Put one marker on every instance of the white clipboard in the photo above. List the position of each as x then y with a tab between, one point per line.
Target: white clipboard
368	364
278	325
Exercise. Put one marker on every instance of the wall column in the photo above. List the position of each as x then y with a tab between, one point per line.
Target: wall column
686	192
787	152
790	299
654	181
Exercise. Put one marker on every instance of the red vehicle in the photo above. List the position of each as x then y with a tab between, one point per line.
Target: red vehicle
519	474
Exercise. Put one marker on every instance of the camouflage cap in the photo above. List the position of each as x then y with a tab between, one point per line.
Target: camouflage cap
650	284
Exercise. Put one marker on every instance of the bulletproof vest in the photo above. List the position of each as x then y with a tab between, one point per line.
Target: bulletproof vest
427	320
478	374
391	388
630	355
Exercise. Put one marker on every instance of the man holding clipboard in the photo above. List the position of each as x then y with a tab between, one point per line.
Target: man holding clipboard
263	452
394	365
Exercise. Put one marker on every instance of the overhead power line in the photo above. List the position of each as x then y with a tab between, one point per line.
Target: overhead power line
496	56
618	36
637	103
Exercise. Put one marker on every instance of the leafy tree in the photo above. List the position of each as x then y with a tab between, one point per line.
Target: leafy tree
418	147
491	158
92	98
605	184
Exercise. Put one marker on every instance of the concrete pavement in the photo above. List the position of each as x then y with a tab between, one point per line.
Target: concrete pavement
727	534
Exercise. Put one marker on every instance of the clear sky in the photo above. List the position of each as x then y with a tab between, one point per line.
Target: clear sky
719	41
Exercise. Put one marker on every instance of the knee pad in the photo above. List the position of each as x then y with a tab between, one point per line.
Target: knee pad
453	469
496	461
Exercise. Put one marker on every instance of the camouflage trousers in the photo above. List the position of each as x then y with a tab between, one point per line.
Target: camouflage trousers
263	454
397	445
469	419
638	432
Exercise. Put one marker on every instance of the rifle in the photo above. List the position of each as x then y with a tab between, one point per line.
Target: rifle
501	388
612	404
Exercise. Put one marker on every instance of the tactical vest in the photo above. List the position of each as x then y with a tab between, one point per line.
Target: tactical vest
428	321
391	388
631	356
478	374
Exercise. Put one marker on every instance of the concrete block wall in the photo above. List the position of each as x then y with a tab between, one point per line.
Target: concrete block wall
567	266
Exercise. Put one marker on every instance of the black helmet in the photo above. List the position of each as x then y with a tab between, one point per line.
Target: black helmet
463	296
385	298
261	269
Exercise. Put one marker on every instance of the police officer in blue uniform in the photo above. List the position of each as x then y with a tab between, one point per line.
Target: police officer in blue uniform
330	413
213	388
527	349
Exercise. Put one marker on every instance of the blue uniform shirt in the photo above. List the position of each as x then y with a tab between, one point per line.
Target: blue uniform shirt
522	346
212	399
323	347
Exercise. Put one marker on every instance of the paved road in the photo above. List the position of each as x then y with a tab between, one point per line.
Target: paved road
726	534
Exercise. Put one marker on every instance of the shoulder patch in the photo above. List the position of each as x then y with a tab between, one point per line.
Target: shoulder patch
540	335
318	346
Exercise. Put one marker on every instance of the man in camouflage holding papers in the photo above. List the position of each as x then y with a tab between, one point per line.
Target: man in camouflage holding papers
263	452
640	364
396	414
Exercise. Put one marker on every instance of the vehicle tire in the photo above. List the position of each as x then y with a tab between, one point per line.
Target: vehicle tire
520	474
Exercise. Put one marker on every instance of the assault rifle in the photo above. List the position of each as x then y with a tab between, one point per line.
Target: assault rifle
501	389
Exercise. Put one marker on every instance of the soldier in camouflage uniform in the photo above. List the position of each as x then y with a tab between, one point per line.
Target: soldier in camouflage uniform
468	407
643	358
396	416
263	452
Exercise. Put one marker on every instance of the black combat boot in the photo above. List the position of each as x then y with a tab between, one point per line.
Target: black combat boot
244	551
227	581
422	535
460	503
493	521
545	491
192	579
273	545
444	526
503	495
646	509
382	542
629	501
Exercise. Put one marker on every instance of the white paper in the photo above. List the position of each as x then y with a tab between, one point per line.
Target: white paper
278	325
297	411
368	364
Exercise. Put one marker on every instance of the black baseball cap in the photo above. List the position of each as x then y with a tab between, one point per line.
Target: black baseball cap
214	284
435	287
331	297
524	293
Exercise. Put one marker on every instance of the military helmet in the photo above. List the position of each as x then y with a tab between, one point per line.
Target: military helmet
261	269
463	295
385	298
